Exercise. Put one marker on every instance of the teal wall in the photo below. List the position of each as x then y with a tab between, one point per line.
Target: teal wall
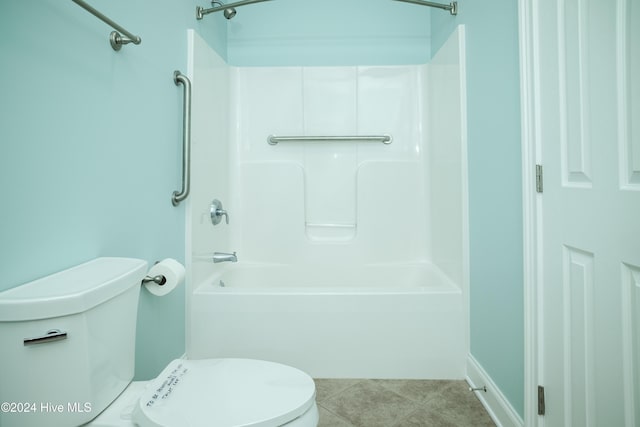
91	146
91	139
329	32
495	188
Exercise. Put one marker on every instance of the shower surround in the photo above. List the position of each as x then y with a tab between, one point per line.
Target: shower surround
352	254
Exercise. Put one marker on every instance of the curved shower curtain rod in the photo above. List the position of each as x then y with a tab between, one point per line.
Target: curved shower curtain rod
451	7
230	11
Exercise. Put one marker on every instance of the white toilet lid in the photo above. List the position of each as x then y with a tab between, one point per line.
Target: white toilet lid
225	393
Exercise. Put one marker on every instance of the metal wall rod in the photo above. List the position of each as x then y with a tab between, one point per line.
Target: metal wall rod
177	197
116	39
200	11
451	7
385	139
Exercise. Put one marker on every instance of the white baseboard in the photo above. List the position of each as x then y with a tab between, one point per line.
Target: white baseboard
493	400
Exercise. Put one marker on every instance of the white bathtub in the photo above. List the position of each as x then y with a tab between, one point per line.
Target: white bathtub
376	321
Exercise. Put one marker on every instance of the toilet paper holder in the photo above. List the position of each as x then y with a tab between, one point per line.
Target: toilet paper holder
159	280
163	277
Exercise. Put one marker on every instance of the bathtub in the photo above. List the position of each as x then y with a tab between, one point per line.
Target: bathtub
373	321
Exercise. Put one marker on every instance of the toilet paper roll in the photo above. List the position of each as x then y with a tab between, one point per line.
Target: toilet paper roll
172	271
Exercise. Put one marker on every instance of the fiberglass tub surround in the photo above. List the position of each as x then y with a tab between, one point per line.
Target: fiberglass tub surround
386	322
331	201
350	253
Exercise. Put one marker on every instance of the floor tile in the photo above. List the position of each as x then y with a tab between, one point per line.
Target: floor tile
426	418
328	419
418	390
369	404
327	387
398	403
459	406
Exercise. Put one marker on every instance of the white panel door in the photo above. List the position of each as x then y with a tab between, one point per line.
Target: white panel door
588	108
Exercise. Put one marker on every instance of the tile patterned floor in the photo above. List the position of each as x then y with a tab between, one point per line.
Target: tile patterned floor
398	403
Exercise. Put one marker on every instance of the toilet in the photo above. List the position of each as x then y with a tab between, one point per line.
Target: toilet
67	359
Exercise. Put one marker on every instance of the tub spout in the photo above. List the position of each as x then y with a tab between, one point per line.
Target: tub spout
223	257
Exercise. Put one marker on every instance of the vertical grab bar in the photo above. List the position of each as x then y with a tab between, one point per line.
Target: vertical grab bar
177	197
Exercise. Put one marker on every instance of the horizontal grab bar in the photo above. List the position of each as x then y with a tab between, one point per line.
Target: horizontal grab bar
385	139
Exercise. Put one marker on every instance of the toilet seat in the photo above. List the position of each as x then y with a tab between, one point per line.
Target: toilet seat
225	393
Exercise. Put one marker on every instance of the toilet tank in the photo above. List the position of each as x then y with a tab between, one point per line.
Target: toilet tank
67	343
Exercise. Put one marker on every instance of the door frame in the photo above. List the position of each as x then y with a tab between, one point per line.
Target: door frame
532	211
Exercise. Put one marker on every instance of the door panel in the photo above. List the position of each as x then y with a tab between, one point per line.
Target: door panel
588	107
629	94
631	337
573	51
578	333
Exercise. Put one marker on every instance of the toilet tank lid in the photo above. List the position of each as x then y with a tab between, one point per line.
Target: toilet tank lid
71	291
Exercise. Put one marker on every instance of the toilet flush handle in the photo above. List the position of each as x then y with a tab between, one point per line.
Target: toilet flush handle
51	335
217	212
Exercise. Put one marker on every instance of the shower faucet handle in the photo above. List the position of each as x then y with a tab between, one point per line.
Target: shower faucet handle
217	212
